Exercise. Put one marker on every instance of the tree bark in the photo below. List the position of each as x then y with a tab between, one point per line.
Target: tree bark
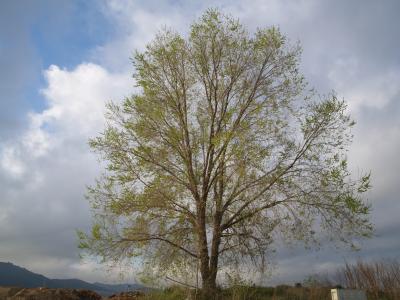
209	263
209	288
216	241
203	251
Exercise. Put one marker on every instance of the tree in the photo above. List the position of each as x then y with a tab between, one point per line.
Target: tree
221	151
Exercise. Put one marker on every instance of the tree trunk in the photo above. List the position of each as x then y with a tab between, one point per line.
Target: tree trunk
209	266
214	255
209	261
209	288
208	285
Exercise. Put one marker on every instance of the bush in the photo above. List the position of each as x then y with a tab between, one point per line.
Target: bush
381	279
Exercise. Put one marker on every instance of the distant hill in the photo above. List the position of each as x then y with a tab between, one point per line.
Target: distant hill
12	275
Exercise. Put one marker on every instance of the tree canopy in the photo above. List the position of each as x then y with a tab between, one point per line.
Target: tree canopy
222	151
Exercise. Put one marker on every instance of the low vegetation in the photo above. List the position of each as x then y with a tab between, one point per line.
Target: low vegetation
282	292
381	279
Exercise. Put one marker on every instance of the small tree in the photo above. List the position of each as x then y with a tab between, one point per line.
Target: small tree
221	152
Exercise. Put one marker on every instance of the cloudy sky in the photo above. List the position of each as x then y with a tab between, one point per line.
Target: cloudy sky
60	61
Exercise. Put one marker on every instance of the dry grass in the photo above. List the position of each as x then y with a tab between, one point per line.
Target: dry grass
381	279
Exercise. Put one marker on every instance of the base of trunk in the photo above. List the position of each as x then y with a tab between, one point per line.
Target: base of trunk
208	292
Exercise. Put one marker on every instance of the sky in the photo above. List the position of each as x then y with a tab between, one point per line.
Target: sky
61	61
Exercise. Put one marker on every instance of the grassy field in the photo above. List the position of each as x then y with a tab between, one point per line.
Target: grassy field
282	292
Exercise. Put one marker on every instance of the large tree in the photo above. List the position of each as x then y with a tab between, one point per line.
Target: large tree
222	151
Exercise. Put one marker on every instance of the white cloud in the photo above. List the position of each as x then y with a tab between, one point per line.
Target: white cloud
36	141
48	166
136	24
76	98
75	111
11	163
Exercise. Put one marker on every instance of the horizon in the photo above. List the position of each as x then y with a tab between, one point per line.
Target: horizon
69	278
62	62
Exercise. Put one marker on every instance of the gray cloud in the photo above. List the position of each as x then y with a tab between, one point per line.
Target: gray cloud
18	62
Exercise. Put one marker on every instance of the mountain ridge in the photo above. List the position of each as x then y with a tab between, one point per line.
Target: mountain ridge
13	275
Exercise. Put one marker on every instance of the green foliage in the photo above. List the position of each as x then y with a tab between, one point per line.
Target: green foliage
221	151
